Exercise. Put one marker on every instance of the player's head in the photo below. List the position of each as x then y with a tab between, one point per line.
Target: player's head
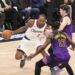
63	10
56	25
41	20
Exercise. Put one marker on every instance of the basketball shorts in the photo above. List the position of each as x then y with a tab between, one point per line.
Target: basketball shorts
29	46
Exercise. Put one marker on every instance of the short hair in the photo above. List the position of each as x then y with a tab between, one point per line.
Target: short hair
43	15
64	7
55	25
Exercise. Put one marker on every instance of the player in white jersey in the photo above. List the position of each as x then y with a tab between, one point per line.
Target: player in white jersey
34	33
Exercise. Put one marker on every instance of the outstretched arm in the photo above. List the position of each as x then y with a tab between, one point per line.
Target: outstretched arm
41	48
20	30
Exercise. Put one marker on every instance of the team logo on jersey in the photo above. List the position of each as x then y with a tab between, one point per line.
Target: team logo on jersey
36	31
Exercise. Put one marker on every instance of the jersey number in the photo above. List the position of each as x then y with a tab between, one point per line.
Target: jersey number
61	42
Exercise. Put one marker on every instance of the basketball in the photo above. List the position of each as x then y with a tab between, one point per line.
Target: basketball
6	34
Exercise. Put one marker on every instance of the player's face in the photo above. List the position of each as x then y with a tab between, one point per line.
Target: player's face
61	12
41	21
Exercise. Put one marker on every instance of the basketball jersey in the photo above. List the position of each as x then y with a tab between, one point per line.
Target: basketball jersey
34	32
68	30
59	45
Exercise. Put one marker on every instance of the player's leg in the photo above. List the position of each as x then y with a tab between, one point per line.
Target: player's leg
38	66
46	61
20	55
21	52
53	71
50	51
43	62
57	69
68	68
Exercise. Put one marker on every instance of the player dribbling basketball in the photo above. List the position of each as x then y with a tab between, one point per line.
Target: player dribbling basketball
34	33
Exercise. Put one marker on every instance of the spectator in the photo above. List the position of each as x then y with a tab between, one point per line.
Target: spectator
29	7
37	6
2	18
69	8
74	11
72	2
52	14
41	4
71	5
36	3
22	5
13	18
3	7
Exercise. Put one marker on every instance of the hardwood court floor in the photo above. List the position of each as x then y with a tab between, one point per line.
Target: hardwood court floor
10	66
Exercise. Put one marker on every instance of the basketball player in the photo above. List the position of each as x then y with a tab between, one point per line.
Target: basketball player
61	55
65	23
34	33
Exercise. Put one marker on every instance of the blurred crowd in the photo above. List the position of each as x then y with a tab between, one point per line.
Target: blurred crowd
15	13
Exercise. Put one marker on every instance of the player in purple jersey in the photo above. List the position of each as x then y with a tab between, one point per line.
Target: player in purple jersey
60	54
66	25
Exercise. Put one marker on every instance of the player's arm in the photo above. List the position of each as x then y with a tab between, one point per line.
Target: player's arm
7	6
24	28
70	41
63	24
20	30
30	23
41	48
48	31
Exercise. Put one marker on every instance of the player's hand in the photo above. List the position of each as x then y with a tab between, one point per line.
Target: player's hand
72	48
30	56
